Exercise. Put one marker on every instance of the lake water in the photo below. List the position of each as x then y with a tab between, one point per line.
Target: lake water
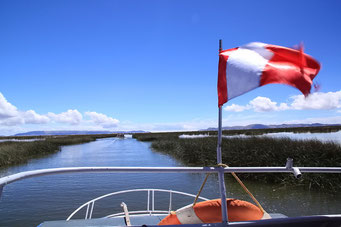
324	137
19	140
32	201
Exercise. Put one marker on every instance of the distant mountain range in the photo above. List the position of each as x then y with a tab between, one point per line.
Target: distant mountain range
261	126
252	126
53	133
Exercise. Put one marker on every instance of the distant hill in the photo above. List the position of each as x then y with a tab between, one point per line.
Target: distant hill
252	126
261	126
54	133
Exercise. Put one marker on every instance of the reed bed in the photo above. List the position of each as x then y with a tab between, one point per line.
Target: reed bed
250	132
12	153
261	151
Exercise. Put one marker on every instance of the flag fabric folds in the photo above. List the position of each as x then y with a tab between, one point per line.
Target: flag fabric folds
253	65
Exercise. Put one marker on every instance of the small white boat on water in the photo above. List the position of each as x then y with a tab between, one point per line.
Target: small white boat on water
202	212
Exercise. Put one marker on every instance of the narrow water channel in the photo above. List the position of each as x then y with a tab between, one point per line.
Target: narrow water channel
32	201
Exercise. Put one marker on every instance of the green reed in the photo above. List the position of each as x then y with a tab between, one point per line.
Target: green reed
261	151
250	132
12	153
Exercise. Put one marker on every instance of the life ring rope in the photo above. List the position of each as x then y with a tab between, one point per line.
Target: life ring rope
240	183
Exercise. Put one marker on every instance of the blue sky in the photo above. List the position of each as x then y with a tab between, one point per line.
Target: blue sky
152	65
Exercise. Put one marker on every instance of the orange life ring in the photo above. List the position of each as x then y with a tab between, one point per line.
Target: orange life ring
210	212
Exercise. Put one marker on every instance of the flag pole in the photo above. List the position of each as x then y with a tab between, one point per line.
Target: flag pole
219	161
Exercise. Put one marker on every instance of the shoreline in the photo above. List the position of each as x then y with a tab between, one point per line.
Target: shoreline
17	152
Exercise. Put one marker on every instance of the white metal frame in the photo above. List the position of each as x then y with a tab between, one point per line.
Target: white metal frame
288	168
150	203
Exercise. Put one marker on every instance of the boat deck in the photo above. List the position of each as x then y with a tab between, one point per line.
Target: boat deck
136	220
147	220
116	221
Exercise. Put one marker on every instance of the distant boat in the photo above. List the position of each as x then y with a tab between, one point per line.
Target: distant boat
120	135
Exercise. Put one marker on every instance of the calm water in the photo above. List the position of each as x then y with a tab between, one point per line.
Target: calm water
32	201
324	137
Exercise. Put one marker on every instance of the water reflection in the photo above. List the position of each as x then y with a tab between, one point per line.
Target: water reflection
324	137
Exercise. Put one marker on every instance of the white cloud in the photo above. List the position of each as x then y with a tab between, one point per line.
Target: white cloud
73	117
7	110
10	115
12	121
316	101
259	104
236	108
20	120
102	119
262	104
31	117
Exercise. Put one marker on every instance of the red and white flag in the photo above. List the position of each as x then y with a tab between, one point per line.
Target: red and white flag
256	64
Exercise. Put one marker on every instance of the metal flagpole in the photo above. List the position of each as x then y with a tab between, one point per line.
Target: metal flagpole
219	161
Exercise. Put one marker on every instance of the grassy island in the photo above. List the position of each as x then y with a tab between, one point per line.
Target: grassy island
256	151
12	152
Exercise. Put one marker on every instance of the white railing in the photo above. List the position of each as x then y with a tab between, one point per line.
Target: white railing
288	168
150	209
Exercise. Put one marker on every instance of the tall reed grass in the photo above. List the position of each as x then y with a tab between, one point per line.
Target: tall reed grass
261	151
12	153
160	135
